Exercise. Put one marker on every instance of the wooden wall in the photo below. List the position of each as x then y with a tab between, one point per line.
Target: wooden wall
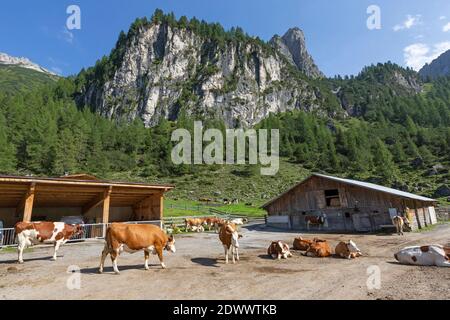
360	209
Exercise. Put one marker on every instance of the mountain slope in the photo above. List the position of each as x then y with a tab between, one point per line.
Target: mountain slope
166	66
14	79
440	67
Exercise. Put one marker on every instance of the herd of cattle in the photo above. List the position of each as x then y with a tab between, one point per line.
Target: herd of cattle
151	239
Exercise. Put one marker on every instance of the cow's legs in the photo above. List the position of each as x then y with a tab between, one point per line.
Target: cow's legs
146	256
56	248
237	254
226	253
114	256
232	254
159	252
443	263
20	249
102	259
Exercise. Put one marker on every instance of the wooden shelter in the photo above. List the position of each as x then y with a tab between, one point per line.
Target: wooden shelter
347	205
98	201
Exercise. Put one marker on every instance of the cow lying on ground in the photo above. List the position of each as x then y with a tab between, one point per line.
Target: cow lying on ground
347	250
432	255
319	248
194	224
133	238
302	244
401	223
58	233
278	250
229	236
314	220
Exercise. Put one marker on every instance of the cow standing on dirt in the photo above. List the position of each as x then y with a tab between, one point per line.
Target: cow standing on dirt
400	223
229	236
57	233
314	220
194	224
133	238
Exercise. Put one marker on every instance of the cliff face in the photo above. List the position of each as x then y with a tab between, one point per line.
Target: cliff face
165	70
440	67
293	46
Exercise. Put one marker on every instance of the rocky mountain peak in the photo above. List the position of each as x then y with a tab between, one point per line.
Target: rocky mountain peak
6	59
440	67
293	46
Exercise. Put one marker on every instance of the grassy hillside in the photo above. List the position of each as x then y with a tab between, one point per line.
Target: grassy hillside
14	79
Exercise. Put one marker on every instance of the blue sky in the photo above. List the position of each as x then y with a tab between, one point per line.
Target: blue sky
412	31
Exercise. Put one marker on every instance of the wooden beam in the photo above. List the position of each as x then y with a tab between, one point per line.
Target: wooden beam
419	224
106	202
26	204
99	199
161	206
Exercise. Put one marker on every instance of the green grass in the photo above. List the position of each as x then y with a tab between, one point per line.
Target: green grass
430	227
15	79
195	208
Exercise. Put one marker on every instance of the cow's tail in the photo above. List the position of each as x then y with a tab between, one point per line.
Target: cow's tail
108	239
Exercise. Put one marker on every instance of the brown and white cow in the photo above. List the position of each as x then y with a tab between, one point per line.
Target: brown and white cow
229	237
319	248
314	220
347	250
401	223
213	223
194	224
278	250
302	244
133	238
431	255
58	233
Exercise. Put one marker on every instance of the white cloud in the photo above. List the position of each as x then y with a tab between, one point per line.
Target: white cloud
66	35
419	54
442	17
408	23
446	28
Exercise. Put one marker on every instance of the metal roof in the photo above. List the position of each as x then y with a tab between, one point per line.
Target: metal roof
361	184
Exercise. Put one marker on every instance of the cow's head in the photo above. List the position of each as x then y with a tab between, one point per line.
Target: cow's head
352	246
234	236
170	245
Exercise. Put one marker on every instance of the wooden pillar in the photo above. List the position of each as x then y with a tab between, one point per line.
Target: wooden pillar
27	204
105	215
161	206
419	224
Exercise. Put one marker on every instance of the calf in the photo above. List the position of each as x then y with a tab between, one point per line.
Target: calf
57	233
319	248
278	250
239	221
194	224
229	236
133	238
314	220
432	255
213	223
347	250
401	223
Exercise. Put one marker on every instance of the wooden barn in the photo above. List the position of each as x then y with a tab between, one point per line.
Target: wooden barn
347	205
95	200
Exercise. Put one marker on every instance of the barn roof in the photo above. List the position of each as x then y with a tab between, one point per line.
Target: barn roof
361	184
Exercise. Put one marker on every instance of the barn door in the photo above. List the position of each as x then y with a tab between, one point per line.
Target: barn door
361	222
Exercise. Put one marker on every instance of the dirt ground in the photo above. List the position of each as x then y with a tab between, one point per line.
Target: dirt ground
198	271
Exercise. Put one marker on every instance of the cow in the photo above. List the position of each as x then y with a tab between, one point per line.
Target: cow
229	237
239	221
314	220
347	250
56	233
194	224
278	250
302	244
133	238
431	255
401	223
213	223
319	248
